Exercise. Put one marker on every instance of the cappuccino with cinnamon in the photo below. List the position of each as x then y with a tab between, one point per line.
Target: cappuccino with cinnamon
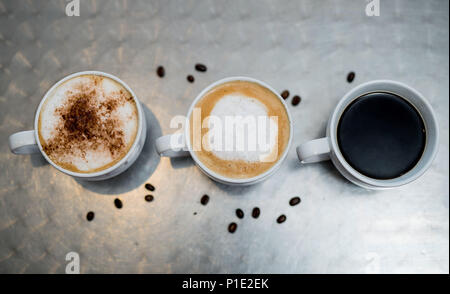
88	123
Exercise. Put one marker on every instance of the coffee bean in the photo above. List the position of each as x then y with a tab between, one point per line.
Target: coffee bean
200	67
149	187
285	94
350	77
239	213
204	200
90	216
148	198
296	100
256	212
294	201
190	78
160	71
232	228
118	203
195	213
281	219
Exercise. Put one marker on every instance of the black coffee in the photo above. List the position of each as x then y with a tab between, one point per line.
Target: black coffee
381	135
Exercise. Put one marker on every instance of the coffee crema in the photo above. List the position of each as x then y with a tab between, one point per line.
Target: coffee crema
88	123
248	102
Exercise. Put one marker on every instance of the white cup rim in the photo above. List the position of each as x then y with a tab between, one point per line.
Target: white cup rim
120	162
217	176
412	174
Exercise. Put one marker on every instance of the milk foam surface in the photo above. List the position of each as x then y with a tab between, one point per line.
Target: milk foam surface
92	155
240	129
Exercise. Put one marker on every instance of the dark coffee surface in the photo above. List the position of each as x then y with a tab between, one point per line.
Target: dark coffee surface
381	135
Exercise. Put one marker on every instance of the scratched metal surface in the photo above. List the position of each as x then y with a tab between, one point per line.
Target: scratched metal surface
307	47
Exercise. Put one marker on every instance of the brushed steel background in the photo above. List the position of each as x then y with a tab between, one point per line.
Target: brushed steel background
307	47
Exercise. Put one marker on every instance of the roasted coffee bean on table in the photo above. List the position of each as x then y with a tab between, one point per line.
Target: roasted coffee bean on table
160	71
350	77
232	227
150	187
148	198
296	100
294	201
256	212
285	94
118	203
281	219
90	216
239	213
200	67
204	200
190	78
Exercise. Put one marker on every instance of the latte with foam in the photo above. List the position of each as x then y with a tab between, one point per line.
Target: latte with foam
239	129
88	123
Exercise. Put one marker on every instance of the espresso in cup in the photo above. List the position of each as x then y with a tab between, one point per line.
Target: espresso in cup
88	123
381	135
239	129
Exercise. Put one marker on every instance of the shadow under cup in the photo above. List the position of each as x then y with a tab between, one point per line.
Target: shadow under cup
417	101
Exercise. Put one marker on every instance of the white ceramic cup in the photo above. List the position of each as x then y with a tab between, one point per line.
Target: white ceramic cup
328	148
27	142
164	144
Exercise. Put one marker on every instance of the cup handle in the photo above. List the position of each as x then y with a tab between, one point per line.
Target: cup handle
23	143
314	151
172	146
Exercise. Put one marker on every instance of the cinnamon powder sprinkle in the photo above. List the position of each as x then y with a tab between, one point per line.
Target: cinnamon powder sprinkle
88	123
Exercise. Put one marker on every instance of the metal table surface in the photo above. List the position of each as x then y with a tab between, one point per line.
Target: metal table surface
307	47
